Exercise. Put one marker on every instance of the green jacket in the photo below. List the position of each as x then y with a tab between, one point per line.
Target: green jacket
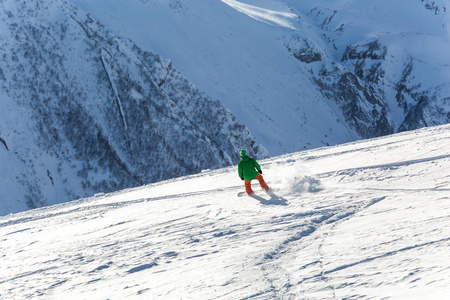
248	168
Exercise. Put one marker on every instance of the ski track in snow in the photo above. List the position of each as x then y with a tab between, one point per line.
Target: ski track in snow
369	219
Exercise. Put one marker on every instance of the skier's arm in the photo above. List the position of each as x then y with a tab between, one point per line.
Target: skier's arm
241	172
257	166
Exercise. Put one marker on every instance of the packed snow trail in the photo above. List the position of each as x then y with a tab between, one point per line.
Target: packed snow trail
369	219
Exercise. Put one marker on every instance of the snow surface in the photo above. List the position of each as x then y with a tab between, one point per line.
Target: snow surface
366	220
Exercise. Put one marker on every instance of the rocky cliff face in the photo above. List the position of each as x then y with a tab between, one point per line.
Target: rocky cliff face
380	86
84	111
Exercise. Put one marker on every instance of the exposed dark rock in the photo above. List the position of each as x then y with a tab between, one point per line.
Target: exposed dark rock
415	119
373	50
304	50
435	8
4	143
353	98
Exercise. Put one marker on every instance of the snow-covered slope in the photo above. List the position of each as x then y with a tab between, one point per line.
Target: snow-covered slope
363	220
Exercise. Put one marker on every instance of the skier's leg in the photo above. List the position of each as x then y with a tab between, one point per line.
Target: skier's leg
263	184
248	187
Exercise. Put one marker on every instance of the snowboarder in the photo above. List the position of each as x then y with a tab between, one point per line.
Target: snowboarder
248	170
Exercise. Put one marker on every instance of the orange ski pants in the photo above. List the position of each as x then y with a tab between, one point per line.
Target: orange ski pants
248	184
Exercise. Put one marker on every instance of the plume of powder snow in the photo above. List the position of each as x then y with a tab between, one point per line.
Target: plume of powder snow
295	178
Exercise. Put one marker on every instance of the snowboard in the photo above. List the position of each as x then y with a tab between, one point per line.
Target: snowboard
257	192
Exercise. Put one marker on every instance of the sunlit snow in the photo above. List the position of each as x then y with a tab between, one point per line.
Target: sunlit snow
363	220
282	17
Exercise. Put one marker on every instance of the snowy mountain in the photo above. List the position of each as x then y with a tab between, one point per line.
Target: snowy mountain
98	96
83	111
395	73
364	220
303	74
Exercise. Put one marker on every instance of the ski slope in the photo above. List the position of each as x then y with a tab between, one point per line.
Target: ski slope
369	219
